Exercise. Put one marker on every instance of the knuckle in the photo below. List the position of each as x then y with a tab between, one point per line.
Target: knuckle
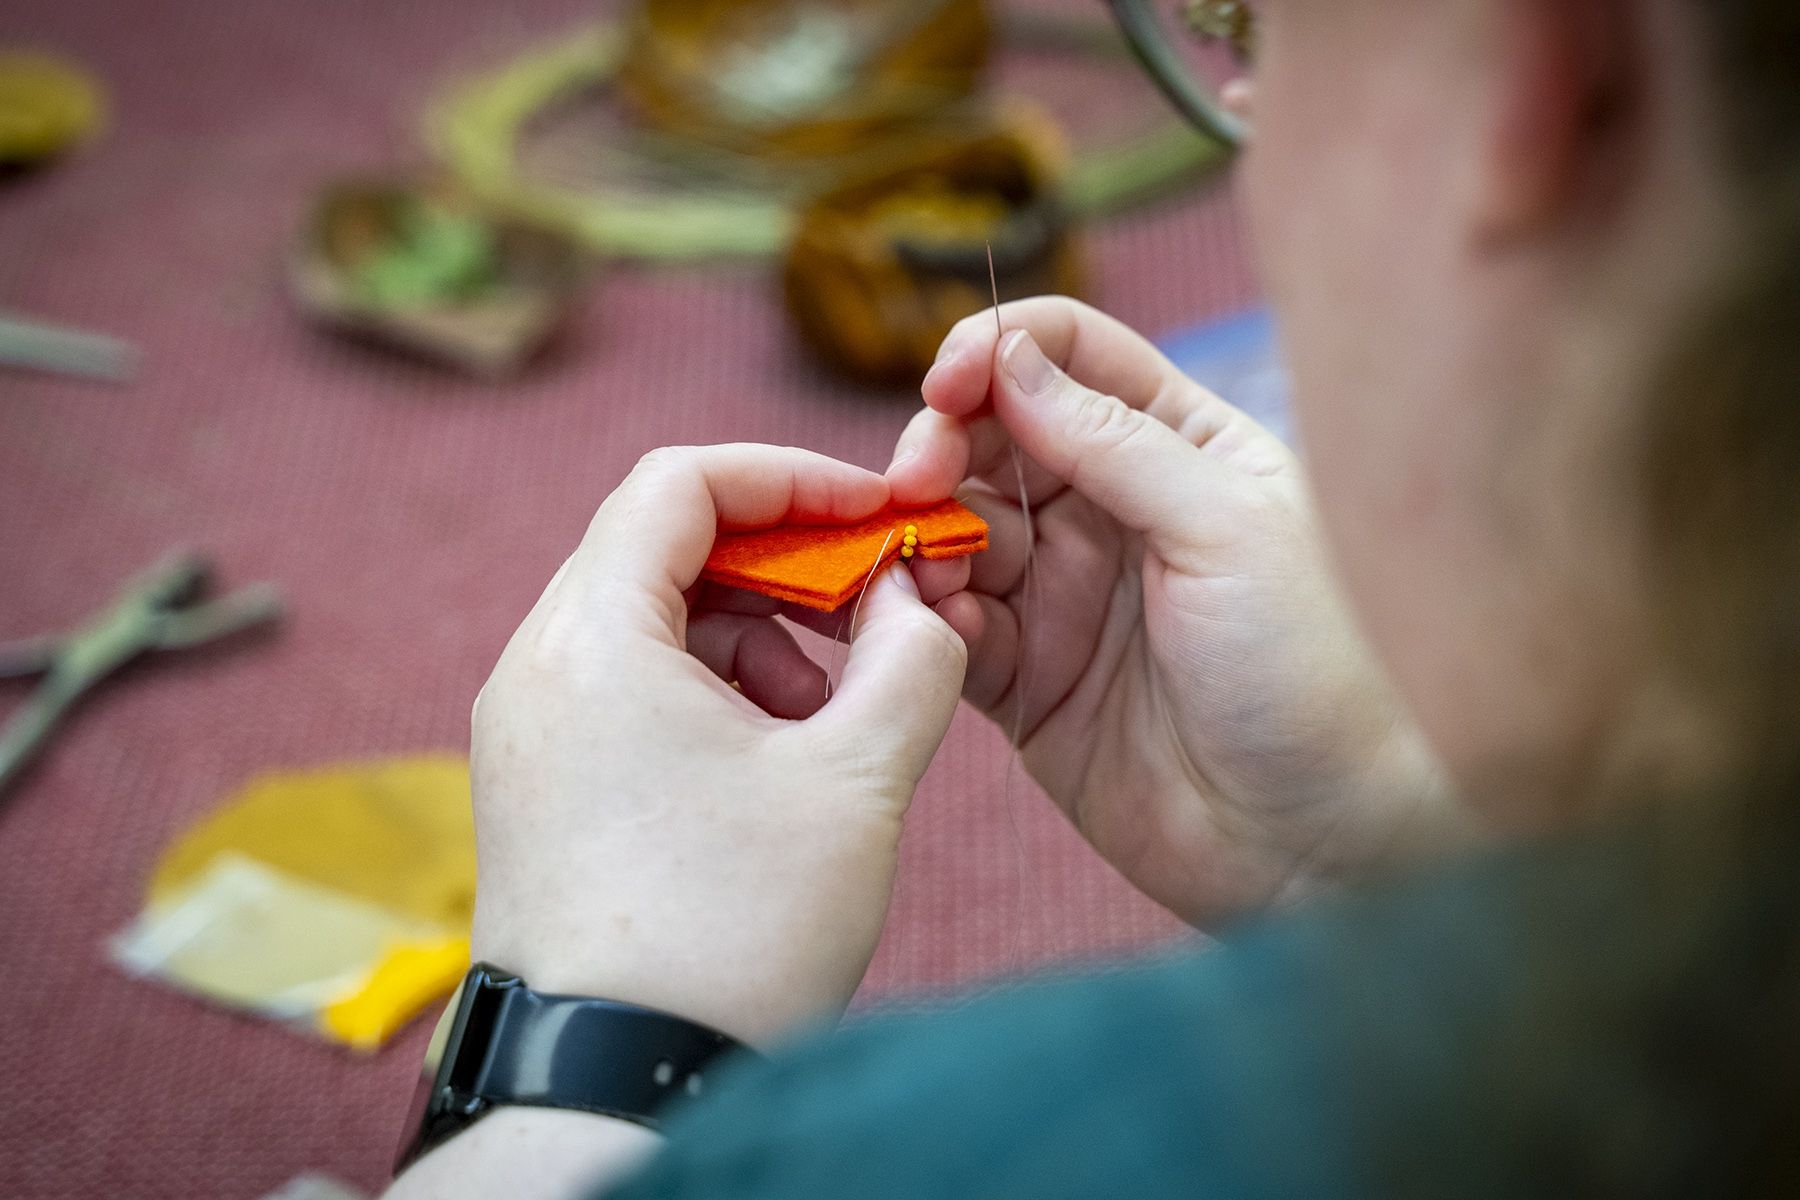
932	643
664	459
1041	315
960	329
1105	424
565	642
941	641
918	430
658	472
860	767
565	650
655	470
1069	305
1275	513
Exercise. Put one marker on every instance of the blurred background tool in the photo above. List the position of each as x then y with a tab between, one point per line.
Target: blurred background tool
160	610
38	346
423	268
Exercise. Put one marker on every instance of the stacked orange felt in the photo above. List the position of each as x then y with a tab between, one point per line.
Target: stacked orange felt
822	567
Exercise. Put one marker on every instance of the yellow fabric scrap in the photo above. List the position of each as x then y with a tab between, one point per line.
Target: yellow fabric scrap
401	986
339	897
398	834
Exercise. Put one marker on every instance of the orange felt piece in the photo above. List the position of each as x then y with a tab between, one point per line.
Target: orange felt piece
823	566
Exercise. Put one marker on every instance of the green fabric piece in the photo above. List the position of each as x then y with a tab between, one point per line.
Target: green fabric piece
436	257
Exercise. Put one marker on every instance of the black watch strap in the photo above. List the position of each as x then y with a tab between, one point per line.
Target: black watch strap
502	1043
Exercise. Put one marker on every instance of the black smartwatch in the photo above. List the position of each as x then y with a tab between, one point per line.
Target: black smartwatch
499	1042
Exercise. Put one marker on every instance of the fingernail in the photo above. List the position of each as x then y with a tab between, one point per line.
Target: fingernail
901	459
936	369
1027	365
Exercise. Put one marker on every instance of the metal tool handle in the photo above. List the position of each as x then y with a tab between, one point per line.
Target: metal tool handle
45	347
28	656
24	735
146	617
244	609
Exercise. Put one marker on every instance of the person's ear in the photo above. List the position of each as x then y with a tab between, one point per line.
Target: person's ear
1561	86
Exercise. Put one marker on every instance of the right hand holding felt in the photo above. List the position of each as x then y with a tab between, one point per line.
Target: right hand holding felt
1186	681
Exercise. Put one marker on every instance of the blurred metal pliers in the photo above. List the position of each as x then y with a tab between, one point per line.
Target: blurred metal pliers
159	610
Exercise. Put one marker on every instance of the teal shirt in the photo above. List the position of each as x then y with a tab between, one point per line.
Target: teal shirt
1520	1026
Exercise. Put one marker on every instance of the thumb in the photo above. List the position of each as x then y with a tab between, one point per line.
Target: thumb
903	677
1140	471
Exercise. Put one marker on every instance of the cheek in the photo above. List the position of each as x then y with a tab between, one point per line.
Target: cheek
1298	198
1338	238
1303	239
1317	221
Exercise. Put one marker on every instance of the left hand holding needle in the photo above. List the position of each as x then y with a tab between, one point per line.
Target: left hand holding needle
651	834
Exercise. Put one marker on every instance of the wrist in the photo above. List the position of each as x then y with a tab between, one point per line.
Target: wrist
667	986
503	1044
765	934
751	976
525	1153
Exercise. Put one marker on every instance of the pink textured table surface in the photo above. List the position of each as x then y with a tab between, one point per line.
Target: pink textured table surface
410	518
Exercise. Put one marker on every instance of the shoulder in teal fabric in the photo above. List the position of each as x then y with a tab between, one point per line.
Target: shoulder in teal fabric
1512	1027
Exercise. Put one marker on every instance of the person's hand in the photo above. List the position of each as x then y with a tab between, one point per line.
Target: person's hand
647	832
1189	689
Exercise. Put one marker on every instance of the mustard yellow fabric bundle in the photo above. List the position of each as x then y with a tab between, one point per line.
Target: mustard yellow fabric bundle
338	899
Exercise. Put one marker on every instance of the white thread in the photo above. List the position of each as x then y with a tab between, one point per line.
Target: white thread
1021	680
1021	684
831	663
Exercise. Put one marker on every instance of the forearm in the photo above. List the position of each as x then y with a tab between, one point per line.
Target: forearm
529	1154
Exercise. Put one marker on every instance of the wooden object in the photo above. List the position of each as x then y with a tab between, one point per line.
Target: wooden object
493	333
881	267
800	80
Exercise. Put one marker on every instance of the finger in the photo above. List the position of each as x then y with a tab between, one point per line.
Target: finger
1109	357
1144	474
834	625
707	596
651	537
760	657
962	612
997	462
1097	349
990	628
933	579
903	676
937	578
999	569
936	454
930	458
